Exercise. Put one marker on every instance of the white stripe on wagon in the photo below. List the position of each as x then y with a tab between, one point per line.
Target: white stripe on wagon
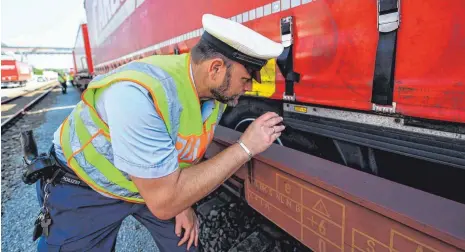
244	17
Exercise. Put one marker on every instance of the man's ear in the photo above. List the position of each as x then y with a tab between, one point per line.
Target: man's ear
216	67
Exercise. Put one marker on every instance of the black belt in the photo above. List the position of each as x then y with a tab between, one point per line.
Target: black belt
62	174
64	177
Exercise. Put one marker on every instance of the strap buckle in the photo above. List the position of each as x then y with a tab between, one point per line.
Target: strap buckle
290	98
388	18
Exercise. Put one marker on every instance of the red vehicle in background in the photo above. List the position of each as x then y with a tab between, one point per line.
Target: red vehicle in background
82	57
15	73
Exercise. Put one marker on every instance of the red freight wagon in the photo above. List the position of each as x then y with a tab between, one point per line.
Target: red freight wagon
377	86
15	72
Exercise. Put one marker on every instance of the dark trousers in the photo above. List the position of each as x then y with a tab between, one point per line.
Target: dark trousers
63	86
84	220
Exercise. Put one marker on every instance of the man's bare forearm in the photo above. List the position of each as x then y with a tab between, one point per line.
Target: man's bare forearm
197	181
168	196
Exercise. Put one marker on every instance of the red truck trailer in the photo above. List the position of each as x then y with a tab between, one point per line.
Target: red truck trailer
82	57
376	87
15	73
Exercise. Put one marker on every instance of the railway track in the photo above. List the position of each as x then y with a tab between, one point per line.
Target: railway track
228	223
13	108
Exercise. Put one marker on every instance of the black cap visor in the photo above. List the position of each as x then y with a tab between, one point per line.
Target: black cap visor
255	74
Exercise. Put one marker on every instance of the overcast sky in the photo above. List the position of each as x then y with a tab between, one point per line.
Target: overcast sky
42	23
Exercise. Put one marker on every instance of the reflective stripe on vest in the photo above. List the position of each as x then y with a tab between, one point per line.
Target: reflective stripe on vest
192	148
85	138
97	145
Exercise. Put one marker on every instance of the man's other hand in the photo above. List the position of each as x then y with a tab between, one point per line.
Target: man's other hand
188	221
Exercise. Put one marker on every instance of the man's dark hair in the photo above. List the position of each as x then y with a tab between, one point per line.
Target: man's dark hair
203	51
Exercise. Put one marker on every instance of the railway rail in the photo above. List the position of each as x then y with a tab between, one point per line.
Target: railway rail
26	91
330	207
14	107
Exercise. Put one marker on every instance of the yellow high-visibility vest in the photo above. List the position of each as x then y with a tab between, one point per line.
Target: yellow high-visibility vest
85	137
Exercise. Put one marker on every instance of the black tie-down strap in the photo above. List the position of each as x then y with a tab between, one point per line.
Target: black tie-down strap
285	61
383	79
286	66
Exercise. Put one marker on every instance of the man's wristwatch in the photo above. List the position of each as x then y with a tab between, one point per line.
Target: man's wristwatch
245	148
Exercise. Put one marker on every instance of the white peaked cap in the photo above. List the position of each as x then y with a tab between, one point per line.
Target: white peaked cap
241	37
239	42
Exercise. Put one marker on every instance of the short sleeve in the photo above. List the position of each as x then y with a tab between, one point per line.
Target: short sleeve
141	144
